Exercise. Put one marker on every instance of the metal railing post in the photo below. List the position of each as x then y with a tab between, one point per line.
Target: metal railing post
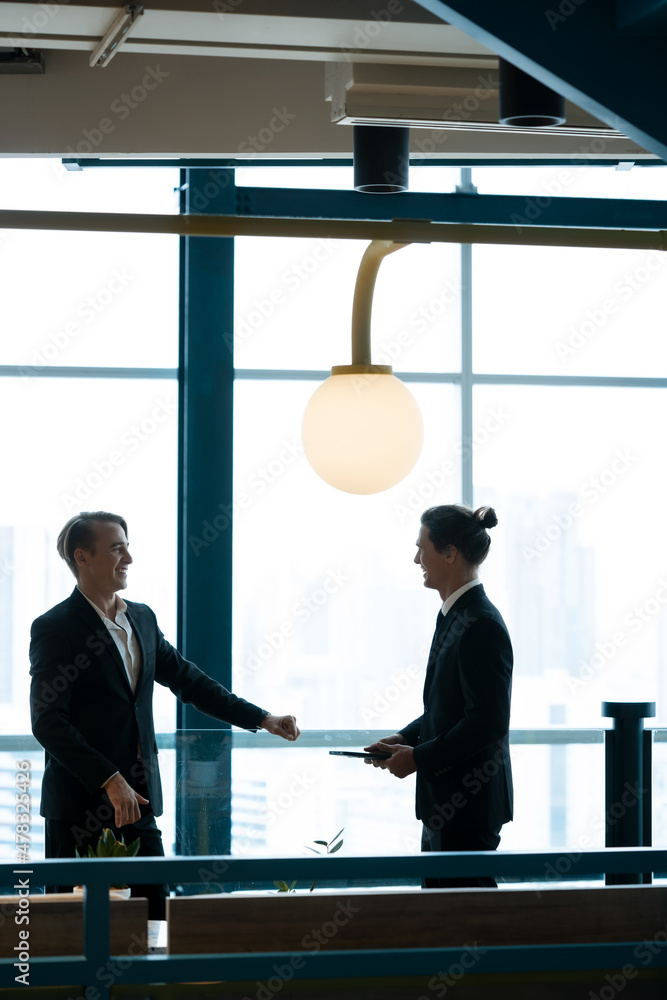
628	781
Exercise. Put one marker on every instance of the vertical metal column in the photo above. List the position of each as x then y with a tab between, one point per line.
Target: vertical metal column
205	508
628	781
466	187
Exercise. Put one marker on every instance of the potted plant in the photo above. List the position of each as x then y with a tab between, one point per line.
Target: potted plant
330	847
108	847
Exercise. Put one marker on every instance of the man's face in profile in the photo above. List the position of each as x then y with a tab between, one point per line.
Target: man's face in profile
434	564
105	568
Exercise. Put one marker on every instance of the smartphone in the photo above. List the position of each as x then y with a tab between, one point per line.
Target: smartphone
360	753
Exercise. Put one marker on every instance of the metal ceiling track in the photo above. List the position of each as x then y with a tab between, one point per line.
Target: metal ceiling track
398	230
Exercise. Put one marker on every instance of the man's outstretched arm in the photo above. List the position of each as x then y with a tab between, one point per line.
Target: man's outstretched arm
191	685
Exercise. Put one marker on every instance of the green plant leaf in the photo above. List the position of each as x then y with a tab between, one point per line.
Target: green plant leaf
133	849
291	888
313	885
337	847
280	885
108	847
322	842
308	848
336	837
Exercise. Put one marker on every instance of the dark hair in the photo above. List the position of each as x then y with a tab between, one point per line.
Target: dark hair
79	533
465	529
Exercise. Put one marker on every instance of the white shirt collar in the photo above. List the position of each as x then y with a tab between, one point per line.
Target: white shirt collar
121	606
453	598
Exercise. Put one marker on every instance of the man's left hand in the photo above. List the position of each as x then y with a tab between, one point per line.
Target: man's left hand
402	761
281	725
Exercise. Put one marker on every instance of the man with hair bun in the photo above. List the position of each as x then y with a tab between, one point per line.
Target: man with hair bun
459	746
94	659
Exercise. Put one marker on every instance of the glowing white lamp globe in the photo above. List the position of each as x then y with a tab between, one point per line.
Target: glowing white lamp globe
362	430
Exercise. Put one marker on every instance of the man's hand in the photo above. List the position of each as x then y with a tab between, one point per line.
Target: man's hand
281	725
402	761
396	739
125	801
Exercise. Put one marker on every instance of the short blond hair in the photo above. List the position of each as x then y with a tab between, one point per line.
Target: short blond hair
79	533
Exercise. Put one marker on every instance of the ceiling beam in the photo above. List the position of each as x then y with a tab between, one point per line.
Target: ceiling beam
574	47
398	230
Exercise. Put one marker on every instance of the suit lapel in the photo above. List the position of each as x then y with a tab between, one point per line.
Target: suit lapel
135	621
442	628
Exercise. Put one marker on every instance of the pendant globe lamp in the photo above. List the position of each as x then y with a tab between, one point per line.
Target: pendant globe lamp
362	429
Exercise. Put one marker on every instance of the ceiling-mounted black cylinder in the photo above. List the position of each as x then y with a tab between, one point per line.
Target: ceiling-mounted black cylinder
525	101
381	158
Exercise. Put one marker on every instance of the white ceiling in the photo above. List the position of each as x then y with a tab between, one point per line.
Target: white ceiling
261	54
257	36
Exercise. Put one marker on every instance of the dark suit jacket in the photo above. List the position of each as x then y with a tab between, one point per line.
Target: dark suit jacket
464	778
86	716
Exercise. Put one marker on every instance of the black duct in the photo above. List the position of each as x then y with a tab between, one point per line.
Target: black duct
381	158
526	103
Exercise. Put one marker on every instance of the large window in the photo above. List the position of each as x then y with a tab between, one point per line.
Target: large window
76	305
541	375
330	619
322	578
567	311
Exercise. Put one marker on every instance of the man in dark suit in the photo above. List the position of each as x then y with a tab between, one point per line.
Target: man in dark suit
93	660
459	746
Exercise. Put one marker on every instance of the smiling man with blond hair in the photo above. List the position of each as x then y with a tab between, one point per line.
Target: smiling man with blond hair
94	659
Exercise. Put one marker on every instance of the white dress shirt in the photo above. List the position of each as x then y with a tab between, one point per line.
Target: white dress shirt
453	598
124	638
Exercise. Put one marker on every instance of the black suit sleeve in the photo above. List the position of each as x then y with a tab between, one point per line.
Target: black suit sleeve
485	674
192	686
411	732
53	671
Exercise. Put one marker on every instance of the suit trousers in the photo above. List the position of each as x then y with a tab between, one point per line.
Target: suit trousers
460	840
61	841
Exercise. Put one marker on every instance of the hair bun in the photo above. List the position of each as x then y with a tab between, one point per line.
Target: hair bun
487	516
